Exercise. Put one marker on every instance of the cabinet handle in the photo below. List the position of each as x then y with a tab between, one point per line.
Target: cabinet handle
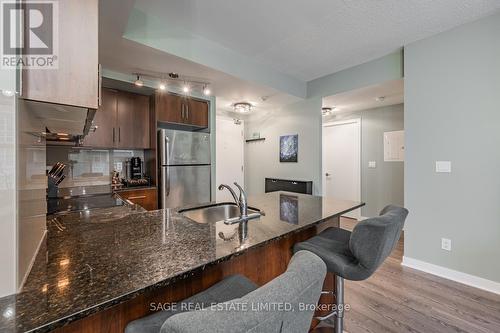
187	111
113	135
119	134
99	83
137	197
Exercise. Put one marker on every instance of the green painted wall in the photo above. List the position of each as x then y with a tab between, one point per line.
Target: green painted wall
452	113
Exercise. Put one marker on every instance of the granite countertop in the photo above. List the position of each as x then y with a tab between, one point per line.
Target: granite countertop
93	260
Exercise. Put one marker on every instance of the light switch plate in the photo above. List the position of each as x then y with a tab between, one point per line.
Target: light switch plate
443	166
372	164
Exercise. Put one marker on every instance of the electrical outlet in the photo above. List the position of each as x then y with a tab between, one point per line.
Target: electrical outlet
446	244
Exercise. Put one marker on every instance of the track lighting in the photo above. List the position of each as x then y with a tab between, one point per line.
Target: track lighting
206	91
139	82
163	81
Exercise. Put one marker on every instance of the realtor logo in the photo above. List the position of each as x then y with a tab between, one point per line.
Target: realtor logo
29	34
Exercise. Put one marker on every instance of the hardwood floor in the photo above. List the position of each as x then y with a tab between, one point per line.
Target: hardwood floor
401	299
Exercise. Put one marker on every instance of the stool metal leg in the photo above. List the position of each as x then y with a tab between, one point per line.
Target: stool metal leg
339	302
339	307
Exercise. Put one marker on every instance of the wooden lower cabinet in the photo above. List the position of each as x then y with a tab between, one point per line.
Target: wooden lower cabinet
146	198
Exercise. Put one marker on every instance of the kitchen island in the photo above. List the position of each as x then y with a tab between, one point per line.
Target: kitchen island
100	269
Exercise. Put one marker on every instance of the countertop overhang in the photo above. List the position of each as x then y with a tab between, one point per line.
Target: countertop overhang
93	260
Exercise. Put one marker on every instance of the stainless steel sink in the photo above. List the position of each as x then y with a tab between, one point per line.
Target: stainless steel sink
228	212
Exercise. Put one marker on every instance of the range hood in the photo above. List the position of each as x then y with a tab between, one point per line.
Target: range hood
63	123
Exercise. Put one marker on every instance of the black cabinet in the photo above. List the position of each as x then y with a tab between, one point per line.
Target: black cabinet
297	186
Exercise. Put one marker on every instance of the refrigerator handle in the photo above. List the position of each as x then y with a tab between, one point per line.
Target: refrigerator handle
167	173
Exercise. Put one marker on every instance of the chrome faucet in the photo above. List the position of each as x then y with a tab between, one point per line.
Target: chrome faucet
241	202
235	197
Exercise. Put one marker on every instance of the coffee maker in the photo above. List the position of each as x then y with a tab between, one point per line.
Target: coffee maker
135	168
134	175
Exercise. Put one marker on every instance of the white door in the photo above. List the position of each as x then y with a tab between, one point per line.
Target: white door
229	155
342	161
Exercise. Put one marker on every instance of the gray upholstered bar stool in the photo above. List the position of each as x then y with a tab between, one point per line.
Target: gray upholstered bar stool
242	307
357	255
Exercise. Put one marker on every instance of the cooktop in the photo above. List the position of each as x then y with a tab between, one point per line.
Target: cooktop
82	203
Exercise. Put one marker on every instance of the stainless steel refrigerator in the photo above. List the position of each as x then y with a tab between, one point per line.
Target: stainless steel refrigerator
184	168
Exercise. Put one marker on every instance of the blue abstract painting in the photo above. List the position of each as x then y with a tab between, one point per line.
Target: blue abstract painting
289	148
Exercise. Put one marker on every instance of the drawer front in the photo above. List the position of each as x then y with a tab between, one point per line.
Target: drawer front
145	198
273	185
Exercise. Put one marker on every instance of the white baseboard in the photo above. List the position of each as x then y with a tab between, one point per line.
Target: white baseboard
450	274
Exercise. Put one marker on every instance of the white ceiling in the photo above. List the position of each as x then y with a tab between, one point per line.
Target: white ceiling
366	98
301	39
127	57
313	38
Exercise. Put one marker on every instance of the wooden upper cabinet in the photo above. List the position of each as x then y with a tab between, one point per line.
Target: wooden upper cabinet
76	80
177	109
122	121
142	122
104	122
170	108
125	120
197	113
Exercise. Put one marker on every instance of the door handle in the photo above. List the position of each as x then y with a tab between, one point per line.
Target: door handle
99	84
167	173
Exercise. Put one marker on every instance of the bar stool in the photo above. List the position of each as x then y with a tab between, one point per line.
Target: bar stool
356	256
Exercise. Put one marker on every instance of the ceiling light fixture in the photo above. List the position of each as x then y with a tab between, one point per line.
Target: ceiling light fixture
138	82
326	111
242	107
206	91
164	81
380	99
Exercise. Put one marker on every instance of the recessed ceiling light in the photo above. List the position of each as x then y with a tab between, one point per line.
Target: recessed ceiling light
138	82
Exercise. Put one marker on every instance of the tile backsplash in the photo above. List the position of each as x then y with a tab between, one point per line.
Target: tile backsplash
86	167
